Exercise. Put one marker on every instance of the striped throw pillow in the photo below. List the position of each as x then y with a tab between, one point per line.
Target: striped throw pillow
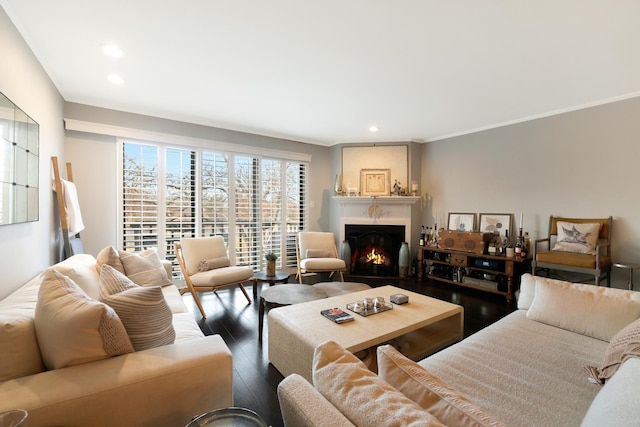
142	309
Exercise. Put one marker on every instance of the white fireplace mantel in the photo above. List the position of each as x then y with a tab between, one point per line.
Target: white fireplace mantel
381	210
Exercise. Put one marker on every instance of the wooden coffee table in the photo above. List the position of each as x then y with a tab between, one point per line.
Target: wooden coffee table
421	327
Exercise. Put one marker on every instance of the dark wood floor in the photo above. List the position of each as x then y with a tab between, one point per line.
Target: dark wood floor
256	380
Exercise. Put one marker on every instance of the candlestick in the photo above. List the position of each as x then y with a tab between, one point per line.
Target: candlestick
521	219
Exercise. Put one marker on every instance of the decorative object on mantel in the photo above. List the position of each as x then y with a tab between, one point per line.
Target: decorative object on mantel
374	211
337	188
374	182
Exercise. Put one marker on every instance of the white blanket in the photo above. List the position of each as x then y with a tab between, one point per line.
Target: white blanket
72	207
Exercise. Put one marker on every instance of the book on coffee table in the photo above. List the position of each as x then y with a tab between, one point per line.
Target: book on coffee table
337	315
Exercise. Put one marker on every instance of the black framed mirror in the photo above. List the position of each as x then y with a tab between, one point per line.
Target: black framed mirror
19	152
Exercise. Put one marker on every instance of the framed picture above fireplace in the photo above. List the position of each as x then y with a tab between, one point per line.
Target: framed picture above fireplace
375	182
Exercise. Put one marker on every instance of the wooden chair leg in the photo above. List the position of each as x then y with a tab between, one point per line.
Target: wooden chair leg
196	298
341	277
244	291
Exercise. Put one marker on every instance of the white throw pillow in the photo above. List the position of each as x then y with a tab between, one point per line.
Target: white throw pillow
109	255
72	328
577	237
359	394
143	310
594	311
429	391
144	268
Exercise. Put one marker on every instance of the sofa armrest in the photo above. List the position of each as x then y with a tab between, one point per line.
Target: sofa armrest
166	385
303	406
168	267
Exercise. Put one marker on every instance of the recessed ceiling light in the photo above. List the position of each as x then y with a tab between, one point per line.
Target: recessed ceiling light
112	50
115	79
374	129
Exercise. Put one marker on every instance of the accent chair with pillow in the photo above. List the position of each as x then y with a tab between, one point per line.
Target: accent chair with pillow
316	252
578	245
206	266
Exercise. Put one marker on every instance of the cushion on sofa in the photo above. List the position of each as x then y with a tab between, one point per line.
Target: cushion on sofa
144	268
617	403
109	255
624	345
577	237
73	328
360	394
594	311
19	351
142	309
429	391
81	269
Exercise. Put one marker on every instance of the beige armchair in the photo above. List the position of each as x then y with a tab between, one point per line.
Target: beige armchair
205	266
580	245
317	253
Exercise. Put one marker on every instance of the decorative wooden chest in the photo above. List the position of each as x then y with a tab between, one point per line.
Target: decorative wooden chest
465	241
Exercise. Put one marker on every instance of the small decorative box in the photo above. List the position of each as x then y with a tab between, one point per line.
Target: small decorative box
399	298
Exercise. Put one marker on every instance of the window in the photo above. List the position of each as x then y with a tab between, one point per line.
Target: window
257	204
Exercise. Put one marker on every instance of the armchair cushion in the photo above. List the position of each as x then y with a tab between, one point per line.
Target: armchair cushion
323	264
73	328
577	237
221	276
213	263
317	253
196	249
572	259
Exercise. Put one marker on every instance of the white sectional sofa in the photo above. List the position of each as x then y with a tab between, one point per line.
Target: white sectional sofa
527	369
166	385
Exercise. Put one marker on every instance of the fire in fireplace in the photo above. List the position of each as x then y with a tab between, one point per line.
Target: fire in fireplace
374	248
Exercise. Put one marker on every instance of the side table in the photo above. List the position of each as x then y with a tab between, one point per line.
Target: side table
261	277
282	295
629	266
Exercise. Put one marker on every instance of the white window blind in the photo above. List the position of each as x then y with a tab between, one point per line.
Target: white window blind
257	204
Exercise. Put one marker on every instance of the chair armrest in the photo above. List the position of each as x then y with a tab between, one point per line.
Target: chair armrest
537	241
599	246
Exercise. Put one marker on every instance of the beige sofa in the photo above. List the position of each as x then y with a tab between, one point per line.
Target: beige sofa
162	386
527	369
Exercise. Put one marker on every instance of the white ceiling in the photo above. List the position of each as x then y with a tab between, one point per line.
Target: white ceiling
324	71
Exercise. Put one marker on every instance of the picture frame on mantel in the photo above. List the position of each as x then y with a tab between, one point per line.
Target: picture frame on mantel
375	182
461	221
496	223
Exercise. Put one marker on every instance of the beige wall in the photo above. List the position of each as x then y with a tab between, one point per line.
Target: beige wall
582	164
94	161
25	249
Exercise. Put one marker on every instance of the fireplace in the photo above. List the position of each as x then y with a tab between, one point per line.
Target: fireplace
374	248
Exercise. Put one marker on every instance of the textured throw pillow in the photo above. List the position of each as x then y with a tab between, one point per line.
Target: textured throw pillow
211	264
72	328
624	345
577	237
429	391
594	311
359	394
109	256
144	268
317	253
143	310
